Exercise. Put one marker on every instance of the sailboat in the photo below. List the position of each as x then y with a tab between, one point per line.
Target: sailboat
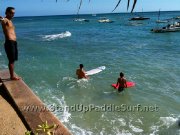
160	21
137	18
80	19
105	20
169	28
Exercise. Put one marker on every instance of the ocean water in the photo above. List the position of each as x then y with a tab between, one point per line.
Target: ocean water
52	47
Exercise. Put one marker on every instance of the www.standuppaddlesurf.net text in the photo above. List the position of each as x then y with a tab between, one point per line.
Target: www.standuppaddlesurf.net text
92	107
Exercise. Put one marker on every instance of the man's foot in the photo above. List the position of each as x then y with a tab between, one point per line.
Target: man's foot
15	78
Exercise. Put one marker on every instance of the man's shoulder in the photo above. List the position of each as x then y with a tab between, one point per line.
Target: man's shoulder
1	18
124	79
5	20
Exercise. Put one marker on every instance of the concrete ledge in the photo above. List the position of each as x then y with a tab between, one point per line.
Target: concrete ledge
22	96
10	122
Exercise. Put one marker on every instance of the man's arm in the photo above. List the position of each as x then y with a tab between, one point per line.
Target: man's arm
77	72
125	83
1	18
84	74
4	26
117	82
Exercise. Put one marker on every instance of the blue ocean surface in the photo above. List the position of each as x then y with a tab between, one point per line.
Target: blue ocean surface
52	47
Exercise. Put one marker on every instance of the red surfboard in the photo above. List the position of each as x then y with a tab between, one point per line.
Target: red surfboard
129	84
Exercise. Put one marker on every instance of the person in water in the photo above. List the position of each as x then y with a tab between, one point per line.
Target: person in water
121	81
81	72
10	40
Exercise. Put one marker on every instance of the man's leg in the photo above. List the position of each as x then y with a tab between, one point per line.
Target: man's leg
11	71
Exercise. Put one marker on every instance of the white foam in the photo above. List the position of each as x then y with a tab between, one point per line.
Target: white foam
80	131
102	132
69	81
56	36
139	121
73	82
69	78
135	129
109	92
0	53
168	121
82	80
82	83
155	129
122	121
122	132
66	115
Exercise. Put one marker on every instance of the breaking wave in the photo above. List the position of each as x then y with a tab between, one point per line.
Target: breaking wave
56	36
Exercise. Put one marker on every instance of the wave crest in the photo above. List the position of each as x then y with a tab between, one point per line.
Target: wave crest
56	36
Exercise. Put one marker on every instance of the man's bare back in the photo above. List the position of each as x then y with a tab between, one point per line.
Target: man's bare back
81	73
122	82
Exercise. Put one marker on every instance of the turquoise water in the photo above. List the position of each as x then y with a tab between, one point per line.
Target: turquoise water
52	47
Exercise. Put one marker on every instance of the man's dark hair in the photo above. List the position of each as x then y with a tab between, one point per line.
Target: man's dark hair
81	65
121	74
8	9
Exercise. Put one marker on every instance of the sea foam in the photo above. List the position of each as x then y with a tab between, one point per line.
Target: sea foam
65	114
56	36
80	131
166	125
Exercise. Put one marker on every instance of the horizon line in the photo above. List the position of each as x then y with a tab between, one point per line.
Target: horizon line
96	13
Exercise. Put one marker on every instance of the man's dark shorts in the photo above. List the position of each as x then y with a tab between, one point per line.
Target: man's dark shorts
11	50
120	89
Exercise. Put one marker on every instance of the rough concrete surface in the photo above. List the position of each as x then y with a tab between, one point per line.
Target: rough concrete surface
10	123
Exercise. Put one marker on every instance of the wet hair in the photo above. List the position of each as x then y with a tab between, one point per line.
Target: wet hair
81	65
121	74
8	9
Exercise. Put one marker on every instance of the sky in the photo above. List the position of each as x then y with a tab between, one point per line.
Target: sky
65	7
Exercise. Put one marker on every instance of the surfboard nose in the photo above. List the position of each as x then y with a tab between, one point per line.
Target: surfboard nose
102	67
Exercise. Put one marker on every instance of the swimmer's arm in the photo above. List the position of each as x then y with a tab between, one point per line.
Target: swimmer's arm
85	76
77	72
117	82
125	83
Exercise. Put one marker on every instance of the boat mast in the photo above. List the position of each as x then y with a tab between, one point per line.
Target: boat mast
159	14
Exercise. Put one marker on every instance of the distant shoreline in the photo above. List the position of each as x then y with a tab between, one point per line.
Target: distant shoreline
98	14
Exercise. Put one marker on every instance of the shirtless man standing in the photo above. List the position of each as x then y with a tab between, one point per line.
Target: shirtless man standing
81	73
10	41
